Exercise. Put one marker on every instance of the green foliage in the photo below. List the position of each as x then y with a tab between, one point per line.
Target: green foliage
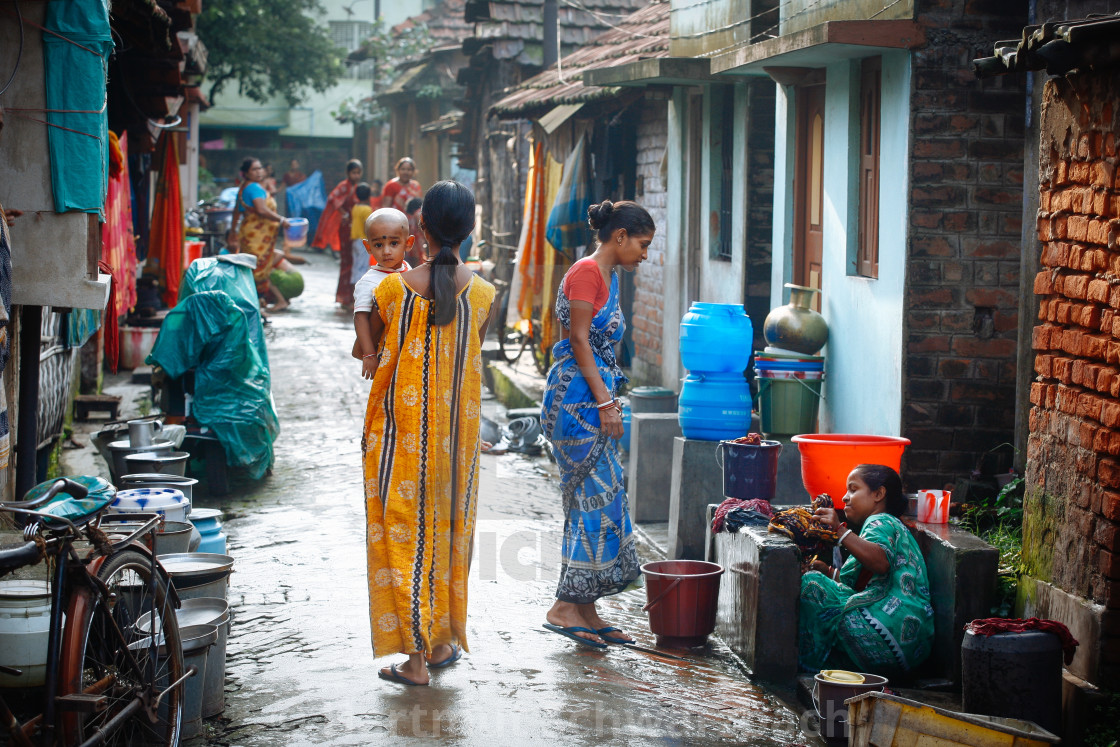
432	91
1103	724
269	48
386	51
999	522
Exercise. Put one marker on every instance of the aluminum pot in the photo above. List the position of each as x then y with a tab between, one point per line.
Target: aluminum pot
159	480
171	462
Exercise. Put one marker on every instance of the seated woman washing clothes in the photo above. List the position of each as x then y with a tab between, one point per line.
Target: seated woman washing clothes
873	614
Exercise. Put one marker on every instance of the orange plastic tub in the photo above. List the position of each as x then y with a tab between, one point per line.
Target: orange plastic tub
827	458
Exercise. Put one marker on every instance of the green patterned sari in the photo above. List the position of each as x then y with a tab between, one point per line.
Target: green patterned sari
886	628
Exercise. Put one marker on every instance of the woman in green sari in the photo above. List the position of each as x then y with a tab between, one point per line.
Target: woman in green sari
873	614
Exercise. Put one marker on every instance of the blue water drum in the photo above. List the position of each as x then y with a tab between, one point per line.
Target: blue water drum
715	406
208	521
716	337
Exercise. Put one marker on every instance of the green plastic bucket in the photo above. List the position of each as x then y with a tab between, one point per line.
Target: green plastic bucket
789	406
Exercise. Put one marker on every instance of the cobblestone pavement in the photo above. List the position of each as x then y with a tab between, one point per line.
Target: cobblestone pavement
300	665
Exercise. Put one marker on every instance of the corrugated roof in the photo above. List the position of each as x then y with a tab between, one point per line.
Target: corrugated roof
514	28
641	35
1059	48
445	23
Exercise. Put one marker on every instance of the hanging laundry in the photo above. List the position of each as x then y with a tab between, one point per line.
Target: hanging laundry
165	252
567	229
118	245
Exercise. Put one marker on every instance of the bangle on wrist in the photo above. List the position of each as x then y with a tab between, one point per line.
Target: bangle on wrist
369	355
842	536
835	574
607	405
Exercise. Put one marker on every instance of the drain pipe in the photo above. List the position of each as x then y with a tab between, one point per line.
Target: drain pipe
551	51
30	324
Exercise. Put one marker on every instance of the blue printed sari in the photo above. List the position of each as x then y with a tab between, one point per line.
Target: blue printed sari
599	556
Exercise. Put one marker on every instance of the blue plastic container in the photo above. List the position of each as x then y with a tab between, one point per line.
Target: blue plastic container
296	232
624	442
716	337
208	522
715	406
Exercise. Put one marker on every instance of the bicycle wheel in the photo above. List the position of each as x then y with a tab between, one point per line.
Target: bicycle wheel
101	642
511	341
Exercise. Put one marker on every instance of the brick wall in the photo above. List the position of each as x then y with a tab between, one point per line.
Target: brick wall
1072	523
962	282
646	314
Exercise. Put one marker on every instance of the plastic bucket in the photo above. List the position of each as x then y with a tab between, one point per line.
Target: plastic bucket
828	458
652	399
715	406
829	697
788	406
682	598
749	471
208	521
296	232
716	337
192	250
136	343
933	506
25	621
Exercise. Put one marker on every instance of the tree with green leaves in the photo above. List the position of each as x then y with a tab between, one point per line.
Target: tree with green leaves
390	51
268	48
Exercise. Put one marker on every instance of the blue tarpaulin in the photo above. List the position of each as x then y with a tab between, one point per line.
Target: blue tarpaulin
307	200
75	65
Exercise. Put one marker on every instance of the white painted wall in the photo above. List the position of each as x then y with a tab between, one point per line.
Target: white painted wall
674	278
721	280
863	388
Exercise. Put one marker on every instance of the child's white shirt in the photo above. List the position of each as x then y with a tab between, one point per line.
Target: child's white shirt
364	288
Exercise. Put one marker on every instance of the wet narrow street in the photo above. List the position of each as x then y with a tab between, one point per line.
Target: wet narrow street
300	666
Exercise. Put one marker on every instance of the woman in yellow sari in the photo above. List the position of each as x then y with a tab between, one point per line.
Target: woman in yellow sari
257	224
420	446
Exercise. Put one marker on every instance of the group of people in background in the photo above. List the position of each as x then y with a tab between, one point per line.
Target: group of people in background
342	224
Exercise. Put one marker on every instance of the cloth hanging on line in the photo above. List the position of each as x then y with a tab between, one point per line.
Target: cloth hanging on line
165	244
75	65
532	258
567	230
118	245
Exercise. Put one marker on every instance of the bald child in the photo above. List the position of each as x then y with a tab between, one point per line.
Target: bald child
387	240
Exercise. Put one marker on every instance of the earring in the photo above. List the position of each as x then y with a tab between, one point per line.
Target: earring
620	241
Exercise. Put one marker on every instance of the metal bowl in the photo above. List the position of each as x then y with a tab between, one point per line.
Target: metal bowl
172	463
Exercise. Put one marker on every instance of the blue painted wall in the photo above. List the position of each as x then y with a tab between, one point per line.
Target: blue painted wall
863	388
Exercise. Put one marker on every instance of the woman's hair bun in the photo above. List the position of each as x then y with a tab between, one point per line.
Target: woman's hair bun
599	215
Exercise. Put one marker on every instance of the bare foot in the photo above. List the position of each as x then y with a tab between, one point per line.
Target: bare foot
439	653
568	615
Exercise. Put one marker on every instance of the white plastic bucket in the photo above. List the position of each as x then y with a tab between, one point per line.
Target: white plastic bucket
25	621
933	506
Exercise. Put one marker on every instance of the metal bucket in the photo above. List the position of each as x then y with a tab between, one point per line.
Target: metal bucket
199	574
197	643
205	611
171	463
159	480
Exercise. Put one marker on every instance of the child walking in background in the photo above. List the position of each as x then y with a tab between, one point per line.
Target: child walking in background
387	240
358	215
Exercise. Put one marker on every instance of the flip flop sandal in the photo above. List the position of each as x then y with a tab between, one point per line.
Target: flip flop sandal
395	676
602	633
456	654
570	632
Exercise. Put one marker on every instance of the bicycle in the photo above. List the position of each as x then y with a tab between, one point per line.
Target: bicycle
112	677
514	340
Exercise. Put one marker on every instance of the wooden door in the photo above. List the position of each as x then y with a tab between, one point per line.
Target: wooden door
809	187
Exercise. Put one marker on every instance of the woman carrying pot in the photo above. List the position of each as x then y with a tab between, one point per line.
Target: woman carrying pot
582	419
872	614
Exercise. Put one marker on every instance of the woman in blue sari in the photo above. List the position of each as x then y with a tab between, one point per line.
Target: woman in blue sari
582	419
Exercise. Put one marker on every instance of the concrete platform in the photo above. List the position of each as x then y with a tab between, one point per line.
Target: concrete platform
649	472
697	481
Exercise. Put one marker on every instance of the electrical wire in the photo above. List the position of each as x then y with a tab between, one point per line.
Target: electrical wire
19	55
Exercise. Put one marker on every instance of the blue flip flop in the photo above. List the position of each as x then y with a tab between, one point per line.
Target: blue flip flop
602	633
395	676
456	654
570	632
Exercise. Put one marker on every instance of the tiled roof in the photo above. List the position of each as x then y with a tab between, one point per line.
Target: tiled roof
513	28
641	35
446	23
1059	47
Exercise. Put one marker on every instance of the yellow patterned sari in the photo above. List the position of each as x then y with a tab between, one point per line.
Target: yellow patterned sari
420	450
257	236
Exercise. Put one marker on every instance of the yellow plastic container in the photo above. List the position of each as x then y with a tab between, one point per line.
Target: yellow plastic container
890	721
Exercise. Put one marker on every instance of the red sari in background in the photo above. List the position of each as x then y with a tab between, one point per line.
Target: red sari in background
165	248
118	246
328	233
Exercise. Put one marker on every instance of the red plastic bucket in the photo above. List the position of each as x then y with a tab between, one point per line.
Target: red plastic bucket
682	597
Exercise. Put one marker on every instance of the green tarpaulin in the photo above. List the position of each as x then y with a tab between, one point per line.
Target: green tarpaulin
75	65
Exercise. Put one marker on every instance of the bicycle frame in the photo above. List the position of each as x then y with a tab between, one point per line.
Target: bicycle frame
69	570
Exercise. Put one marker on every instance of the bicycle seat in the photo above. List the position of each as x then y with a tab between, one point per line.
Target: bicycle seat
78	502
18	556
